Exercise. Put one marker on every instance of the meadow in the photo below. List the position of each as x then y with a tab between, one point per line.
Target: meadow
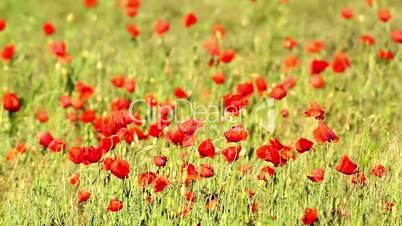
184	112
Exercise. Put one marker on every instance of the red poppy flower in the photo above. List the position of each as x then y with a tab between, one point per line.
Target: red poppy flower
92	155
11	102
118	81
385	54
227	56
347	13
48	28
315	110
397	36
86	91
115	205
107	163
191	171
126	135
359	179
384	15
133	30
278	92
212	47
340	62
206	149
369	3
72	116
265	173
218	30
218	78
284	113
318	66
160	183
78	104
131	7
76	154
190	196
140	135
154	130
261	84
378	171
206	171
75	180
289	43
108	143
88	116
42	116
269	153
303	145
236	134
180	93
317	81
130	85
315	46
45	139
346	166
161	27
11	155
145	179
231	153
317	175
120	104
285	152
65	101
189	20
59	50
83	196
175	135
21	148
290	63
57	145
3	25
367	40
310	215
245	89
8	52
324	134
234	102
289	83
190	126
160	161
120	168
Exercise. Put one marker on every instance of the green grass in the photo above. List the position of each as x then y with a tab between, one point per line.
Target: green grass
363	107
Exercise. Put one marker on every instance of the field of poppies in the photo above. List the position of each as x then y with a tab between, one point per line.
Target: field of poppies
180	112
